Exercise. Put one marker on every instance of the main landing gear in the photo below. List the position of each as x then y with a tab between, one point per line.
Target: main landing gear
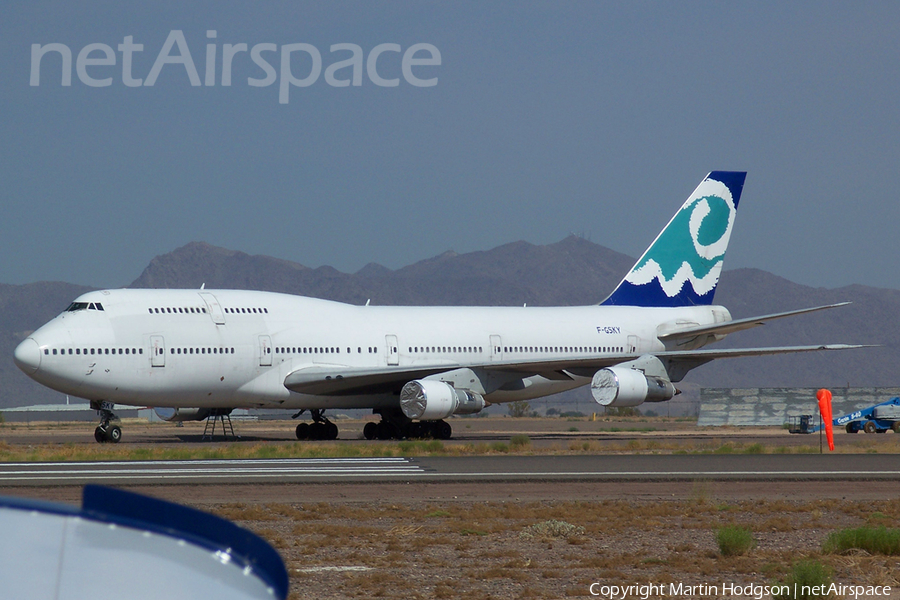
106	431
320	429
394	425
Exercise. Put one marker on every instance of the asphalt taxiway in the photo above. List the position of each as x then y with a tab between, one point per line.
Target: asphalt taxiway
460	469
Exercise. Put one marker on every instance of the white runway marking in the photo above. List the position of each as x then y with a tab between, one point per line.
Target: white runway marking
208	469
384	469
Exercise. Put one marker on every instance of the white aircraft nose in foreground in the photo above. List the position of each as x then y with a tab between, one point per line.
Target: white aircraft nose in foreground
197	353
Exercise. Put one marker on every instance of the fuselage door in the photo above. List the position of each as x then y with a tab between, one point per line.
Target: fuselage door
633	343
157	351
214	308
265	351
496	348
393	350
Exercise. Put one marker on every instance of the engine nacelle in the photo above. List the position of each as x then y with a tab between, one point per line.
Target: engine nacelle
177	415
430	400
620	386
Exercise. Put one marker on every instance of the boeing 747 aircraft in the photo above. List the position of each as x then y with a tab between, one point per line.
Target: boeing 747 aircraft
201	353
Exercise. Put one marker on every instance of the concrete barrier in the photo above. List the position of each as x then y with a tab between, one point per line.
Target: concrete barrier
773	406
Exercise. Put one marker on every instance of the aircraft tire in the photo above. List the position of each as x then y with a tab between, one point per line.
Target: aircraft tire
317	431
870	427
114	434
385	431
443	430
100	435
331	431
302	431
370	431
415	430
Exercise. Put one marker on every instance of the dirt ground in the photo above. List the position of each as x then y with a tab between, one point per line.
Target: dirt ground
553	548
537	540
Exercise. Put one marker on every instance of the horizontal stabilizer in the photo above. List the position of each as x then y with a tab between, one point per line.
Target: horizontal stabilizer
679	362
740	324
712	354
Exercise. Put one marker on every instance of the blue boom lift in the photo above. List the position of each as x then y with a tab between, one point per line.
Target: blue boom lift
874	419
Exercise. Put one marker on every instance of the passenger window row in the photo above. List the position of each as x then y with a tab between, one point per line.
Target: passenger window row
219	350
182	310
445	349
564	349
286	350
319	350
95	351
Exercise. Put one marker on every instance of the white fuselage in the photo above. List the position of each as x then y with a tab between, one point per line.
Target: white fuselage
230	348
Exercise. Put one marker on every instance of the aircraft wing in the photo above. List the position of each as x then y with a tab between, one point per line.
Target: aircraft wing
342	380
740	324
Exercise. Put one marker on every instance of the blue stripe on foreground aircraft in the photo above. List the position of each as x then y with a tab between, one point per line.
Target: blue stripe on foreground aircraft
152	549
205	352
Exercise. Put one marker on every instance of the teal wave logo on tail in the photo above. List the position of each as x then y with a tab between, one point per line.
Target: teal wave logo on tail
682	266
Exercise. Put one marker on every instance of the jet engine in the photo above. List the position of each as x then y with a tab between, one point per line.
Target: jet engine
177	415
430	400
621	386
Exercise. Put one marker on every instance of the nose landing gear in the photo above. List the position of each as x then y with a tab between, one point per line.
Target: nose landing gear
106	431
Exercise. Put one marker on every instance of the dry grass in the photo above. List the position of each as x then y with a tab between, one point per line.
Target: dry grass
598	441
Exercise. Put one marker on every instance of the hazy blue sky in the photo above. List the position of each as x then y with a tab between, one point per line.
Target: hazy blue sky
596	118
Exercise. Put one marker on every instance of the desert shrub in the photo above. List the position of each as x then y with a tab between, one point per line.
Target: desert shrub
805	576
519	441
734	540
874	540
552	529
520	408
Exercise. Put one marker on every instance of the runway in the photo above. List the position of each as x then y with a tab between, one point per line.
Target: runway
584	468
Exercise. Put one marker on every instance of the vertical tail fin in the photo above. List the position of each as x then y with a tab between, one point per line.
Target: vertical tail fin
682	265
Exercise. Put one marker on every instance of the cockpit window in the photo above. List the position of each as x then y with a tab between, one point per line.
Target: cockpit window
84	306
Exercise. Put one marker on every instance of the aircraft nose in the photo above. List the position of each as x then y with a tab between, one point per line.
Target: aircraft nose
28	356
